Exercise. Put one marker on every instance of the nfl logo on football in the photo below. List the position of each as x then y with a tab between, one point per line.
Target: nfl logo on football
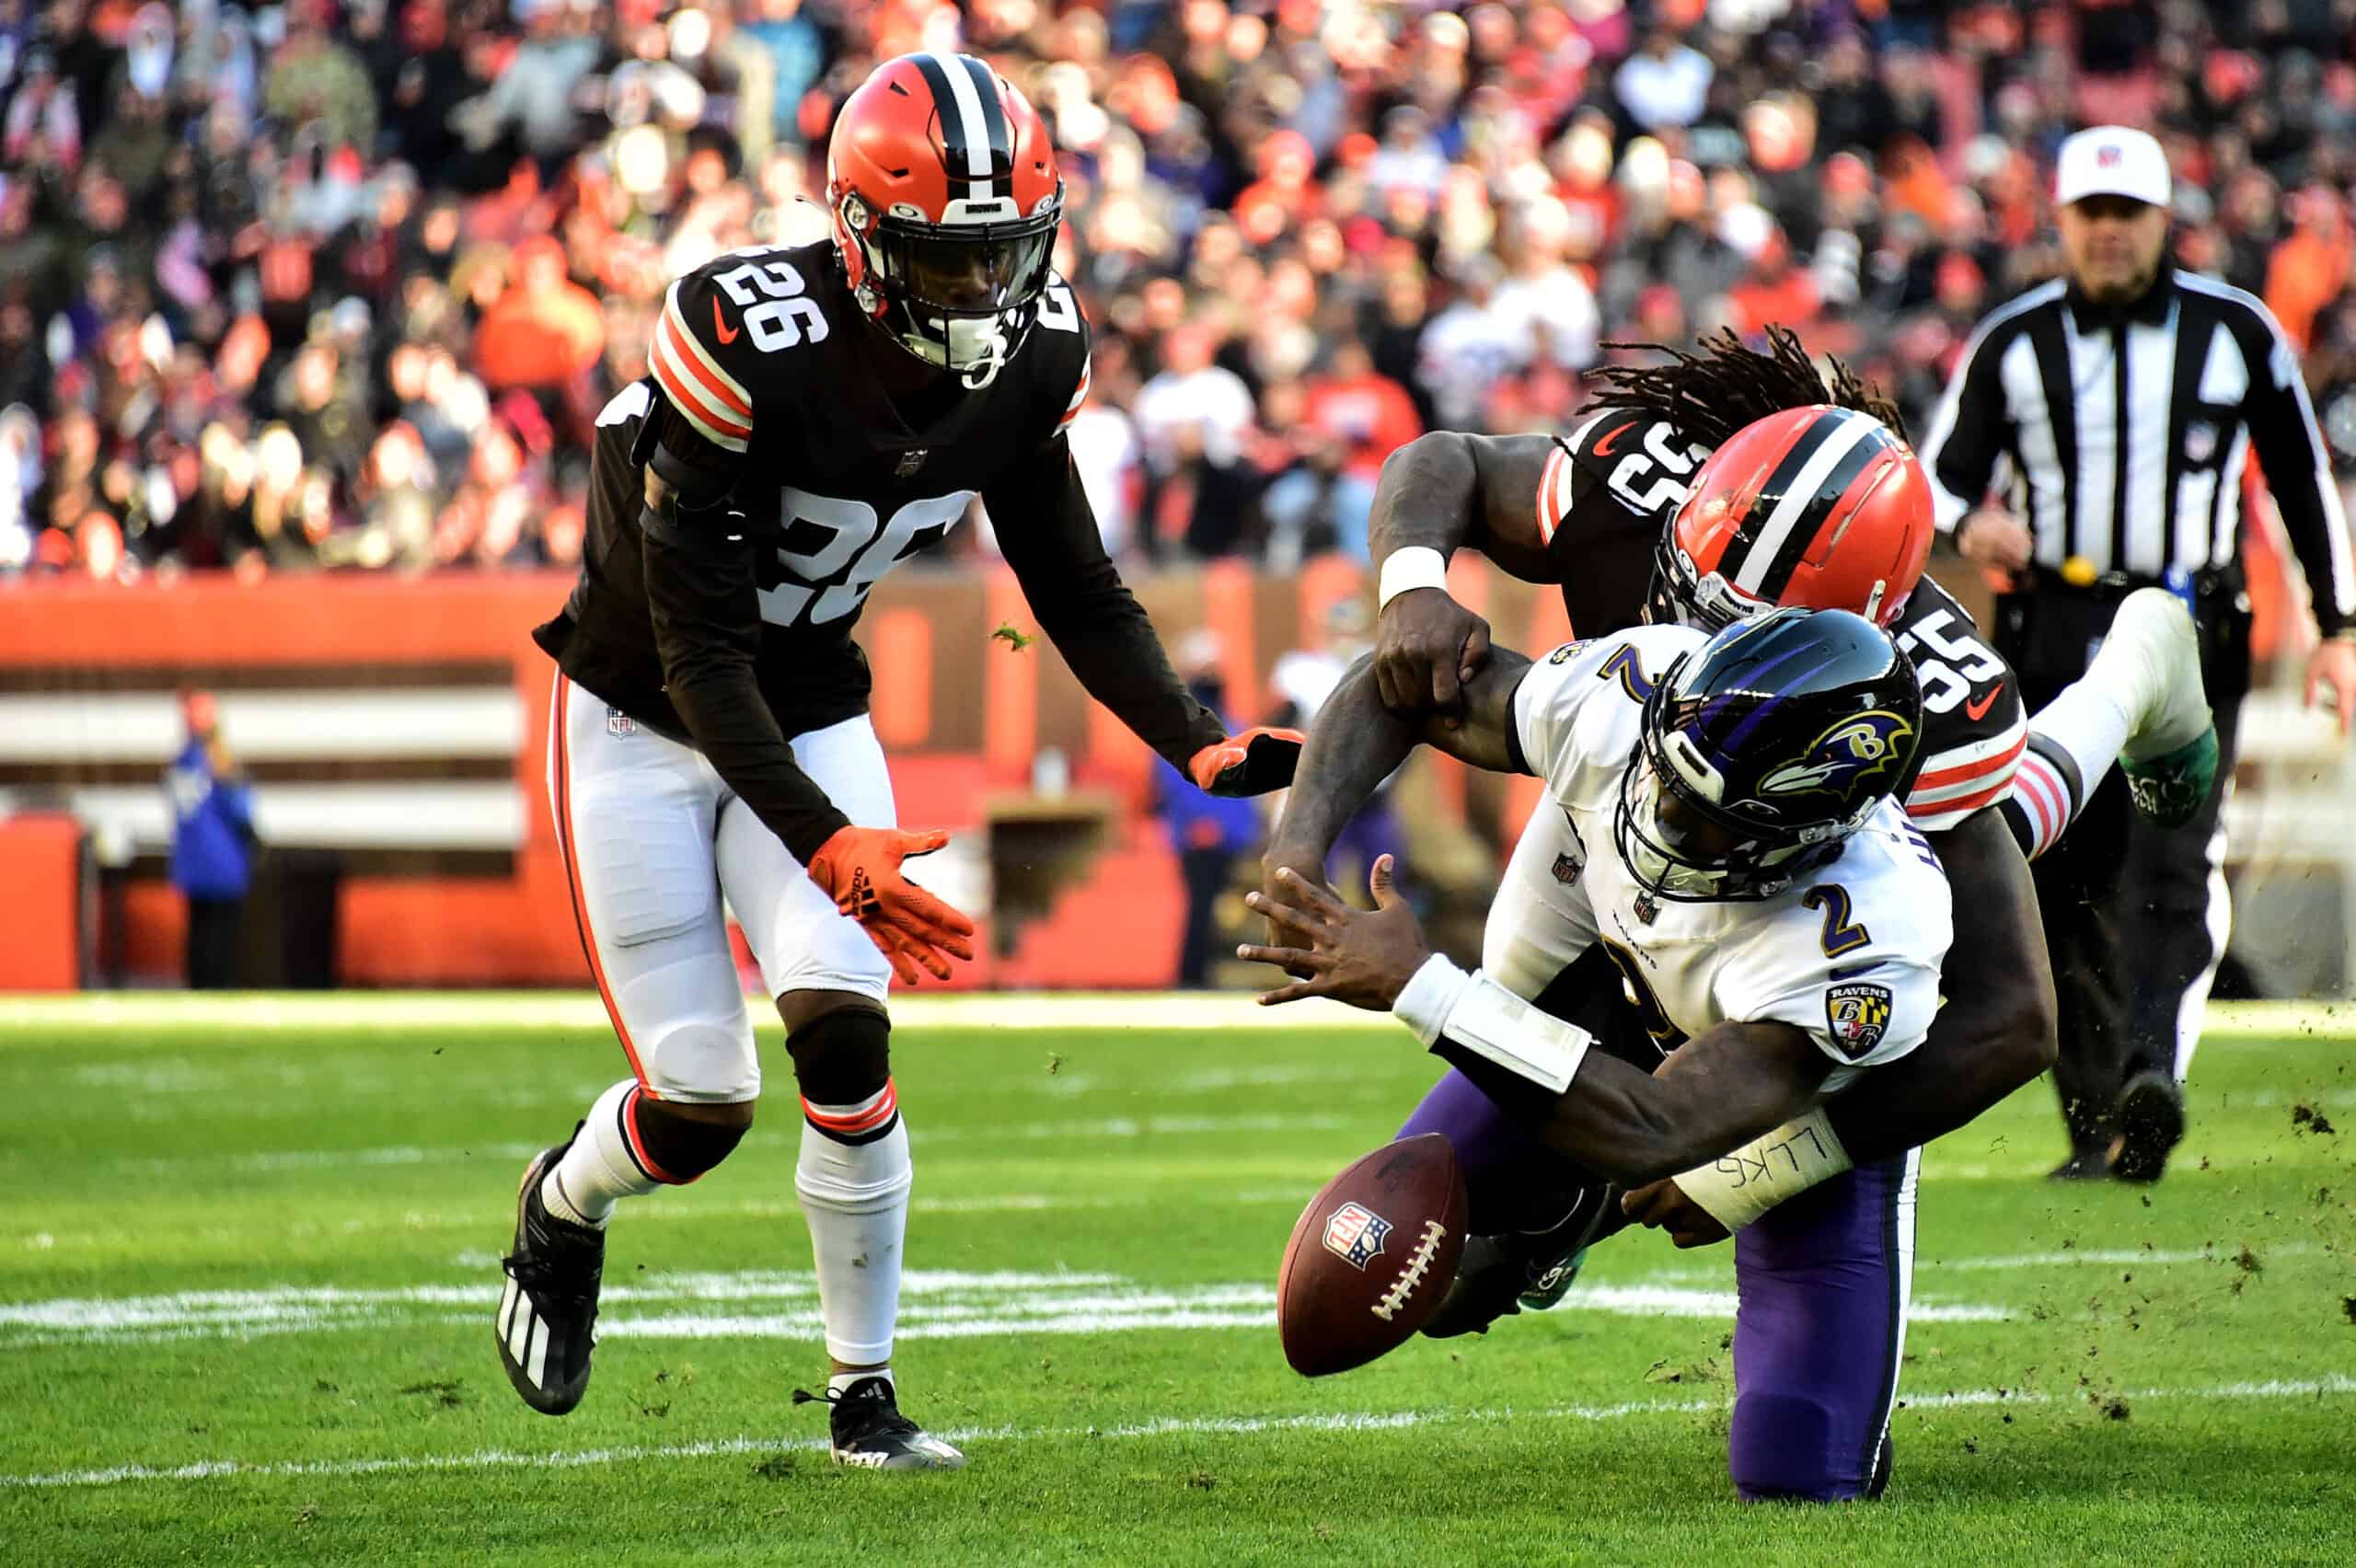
1354	1233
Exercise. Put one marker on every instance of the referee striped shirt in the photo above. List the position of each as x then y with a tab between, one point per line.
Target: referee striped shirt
2127	431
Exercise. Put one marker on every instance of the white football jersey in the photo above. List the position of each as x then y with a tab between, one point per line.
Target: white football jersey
1850	954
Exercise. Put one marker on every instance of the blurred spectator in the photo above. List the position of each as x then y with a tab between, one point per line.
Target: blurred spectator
543	330
1354	416
212	843
1193	418
1666	83
1104	446
338	216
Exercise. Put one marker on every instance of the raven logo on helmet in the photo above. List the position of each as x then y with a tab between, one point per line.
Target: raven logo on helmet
1836	762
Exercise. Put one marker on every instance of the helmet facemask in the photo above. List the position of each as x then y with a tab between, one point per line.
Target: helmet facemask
1680	595
960	295
1682	841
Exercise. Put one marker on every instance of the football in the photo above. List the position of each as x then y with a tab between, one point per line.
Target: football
1372	1256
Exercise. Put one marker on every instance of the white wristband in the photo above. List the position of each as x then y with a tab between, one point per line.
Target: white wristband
1411	566
1490	1022
1767	1170
1422	1003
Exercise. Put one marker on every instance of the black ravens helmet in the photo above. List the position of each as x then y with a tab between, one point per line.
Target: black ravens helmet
1763	750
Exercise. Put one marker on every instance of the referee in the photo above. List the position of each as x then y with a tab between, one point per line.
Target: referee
2127	399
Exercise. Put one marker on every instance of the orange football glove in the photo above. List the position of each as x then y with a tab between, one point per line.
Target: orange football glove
1253	763
860	870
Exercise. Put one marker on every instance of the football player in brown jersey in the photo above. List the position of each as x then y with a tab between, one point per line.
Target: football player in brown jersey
813	415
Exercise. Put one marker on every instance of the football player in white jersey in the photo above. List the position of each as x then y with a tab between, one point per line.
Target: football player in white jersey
1722	830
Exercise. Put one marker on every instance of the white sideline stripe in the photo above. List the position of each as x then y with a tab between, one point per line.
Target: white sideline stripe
347	724
1091	1010
483	814
1175	1427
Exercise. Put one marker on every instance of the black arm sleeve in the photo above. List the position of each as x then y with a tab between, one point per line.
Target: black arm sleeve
706	609
2298	472
1047	533
1969	431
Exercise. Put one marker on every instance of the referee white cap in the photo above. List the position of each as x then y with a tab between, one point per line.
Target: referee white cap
2112	160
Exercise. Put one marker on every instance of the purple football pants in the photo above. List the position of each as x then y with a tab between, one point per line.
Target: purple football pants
1822	1282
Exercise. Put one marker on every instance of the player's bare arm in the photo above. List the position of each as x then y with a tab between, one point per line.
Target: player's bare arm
1995	1033
1731	1083
1439	493
1359	739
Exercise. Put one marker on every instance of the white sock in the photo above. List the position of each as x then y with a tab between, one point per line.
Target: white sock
602	1167
2087	722
855	1197
839	1383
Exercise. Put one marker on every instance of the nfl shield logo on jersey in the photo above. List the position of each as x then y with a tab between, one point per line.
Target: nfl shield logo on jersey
1857	1016
620	723
1354	1233
1568	867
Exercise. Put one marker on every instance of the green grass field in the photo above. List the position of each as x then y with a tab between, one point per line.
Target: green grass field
248	1258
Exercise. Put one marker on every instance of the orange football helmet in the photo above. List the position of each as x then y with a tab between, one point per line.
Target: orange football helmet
1821	507
943	185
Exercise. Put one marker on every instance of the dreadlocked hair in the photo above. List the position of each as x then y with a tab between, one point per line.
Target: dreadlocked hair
1709	395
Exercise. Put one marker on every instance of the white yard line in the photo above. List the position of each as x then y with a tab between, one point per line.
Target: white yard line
936	1303
1175	1427
1090	1010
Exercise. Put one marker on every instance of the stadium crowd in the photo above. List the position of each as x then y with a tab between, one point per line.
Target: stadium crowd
345	286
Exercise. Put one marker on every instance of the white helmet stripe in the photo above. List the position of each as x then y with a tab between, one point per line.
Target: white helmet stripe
1797	499
975	129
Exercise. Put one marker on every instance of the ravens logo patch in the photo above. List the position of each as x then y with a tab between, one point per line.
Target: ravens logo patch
1857	1015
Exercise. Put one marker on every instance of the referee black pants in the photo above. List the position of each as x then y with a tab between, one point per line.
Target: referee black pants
2135	915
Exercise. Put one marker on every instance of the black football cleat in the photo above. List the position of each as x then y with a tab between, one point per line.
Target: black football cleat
1885	1460
548	1313
2083	1165
2150	1123
867	1430
1499	1276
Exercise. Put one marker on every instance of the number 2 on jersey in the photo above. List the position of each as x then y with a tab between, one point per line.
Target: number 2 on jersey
1839	936
1664	1033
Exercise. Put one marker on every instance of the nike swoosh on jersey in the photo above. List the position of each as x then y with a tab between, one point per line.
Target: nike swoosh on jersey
719	324
1976	712
1603	447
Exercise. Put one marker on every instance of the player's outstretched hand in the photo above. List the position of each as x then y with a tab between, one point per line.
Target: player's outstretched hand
860	870
1363	958
1259	760
1426	646
1664	1207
